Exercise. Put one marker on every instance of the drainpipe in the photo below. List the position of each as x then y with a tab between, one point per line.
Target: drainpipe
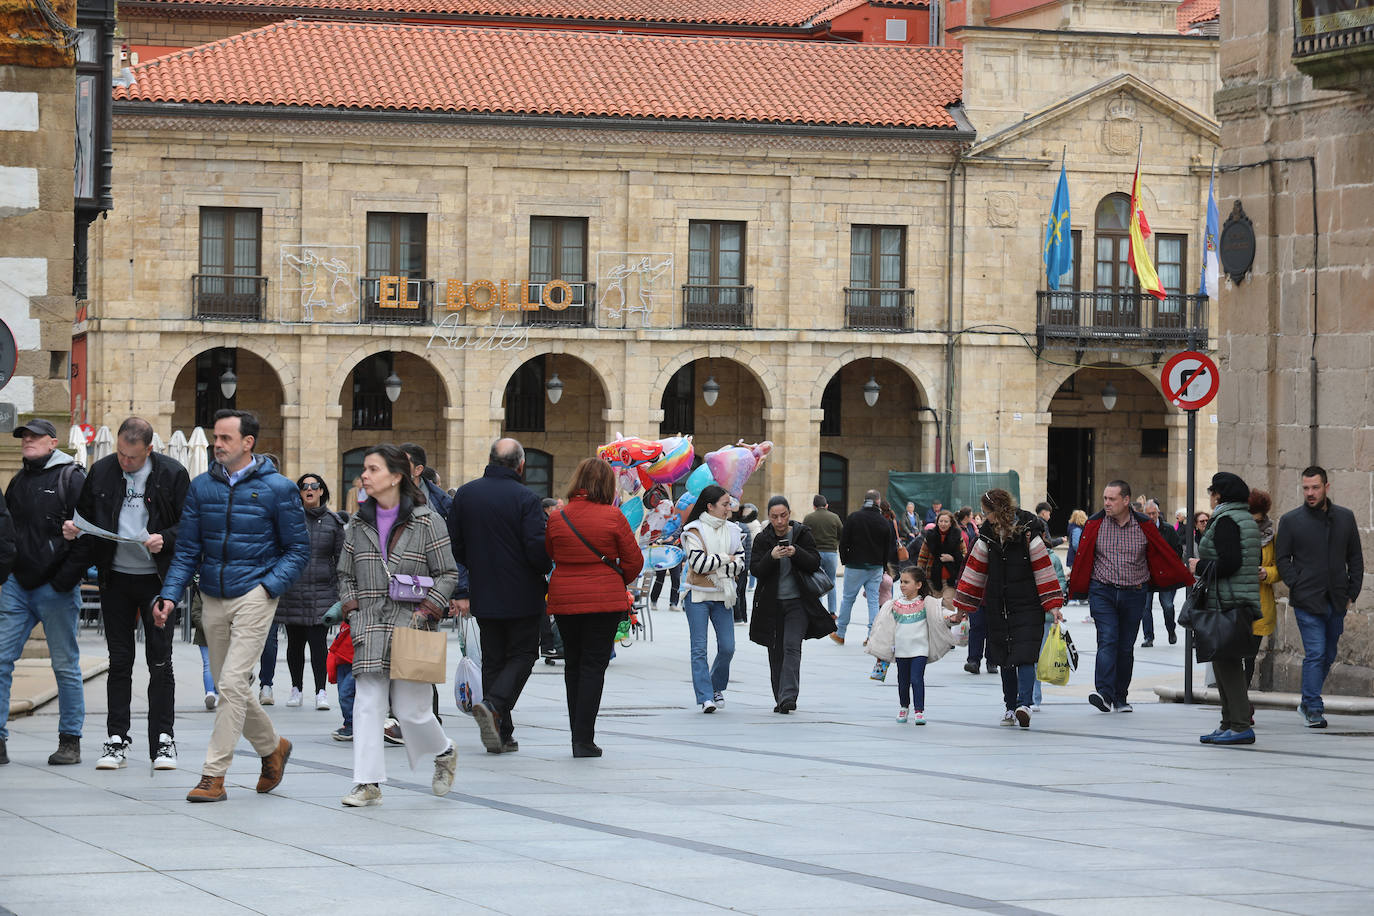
949	312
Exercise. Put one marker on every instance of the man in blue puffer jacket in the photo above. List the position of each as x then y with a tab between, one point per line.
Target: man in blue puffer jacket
243	530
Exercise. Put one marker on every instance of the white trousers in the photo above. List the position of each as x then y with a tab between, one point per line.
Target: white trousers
411	704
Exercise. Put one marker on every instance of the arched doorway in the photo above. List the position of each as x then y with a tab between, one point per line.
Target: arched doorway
556	434
718	401
200	390
868	441
1106	424
370	414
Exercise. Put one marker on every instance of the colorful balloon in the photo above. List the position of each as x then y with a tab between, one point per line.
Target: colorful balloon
731	467
663	556
673	464
628	452
673	526
633	510
686	501
700	479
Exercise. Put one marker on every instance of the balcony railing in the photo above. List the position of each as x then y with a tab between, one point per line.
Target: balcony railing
1111	320
717	306
406	301
879	309
580	313
228	297
371	410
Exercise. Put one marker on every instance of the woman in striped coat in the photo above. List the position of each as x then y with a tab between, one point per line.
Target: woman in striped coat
393	533
715	556
1010	573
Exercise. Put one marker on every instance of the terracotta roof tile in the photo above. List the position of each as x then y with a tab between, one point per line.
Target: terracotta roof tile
784	13
591	74
1191	12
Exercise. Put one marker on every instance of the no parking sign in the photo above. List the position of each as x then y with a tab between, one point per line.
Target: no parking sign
1190	380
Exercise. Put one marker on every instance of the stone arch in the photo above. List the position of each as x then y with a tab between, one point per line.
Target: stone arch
1050	381
763	374
443	368
923	382
602	371
286	376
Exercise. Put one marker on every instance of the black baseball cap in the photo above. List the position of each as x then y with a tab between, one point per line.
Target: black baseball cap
38	427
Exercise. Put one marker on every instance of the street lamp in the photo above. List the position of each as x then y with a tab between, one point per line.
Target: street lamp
228	383
871	389
554	388
710	391
1109	395
392	386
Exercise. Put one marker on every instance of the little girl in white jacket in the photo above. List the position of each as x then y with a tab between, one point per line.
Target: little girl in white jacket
911	630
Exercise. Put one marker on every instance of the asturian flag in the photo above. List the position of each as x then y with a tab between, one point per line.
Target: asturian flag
1211	266
1140	231
1058	252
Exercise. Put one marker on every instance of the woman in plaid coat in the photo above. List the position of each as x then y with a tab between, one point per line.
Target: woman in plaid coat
393	533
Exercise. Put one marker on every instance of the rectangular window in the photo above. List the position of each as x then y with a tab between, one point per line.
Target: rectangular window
877	257
558	249
229	283
396	245
1171	253
715	254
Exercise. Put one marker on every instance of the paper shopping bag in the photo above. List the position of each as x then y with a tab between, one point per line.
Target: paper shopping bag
419	655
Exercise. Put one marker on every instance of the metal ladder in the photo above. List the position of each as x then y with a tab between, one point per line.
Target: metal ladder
979	459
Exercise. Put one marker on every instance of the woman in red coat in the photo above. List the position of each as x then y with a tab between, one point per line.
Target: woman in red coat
595	556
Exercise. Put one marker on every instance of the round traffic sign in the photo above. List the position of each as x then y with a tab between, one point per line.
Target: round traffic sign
1190	380
9	354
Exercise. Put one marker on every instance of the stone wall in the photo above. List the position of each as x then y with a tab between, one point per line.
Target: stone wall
1268	111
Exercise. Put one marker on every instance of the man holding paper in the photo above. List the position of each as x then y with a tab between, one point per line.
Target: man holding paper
131	502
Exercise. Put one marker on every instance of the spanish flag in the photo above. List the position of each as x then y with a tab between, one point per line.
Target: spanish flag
1140	231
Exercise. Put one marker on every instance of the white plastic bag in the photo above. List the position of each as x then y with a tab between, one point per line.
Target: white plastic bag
467	676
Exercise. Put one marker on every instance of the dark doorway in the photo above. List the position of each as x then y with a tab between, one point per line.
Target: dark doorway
1069	479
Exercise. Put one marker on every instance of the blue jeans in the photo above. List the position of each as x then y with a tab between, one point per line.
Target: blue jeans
347	690
268	662
1117	613
1166	604
911	682
1035	693
701	615
1319	637
1018	682
21	609
870	580
206	677
830	562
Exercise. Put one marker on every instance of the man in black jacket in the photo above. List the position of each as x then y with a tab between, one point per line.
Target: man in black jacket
496	525
1319	557
866	541
45	585
1166	595
135	494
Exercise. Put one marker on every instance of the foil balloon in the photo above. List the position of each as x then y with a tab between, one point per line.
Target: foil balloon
700	479
657	519
627	479
686	501
673	526
731	467
633	510
629	452
662	556
673	464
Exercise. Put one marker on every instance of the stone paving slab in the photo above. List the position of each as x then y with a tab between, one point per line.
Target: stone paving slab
834	809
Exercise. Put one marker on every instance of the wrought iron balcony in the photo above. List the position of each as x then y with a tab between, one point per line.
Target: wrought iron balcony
879	309
1335	47
371	410
1112	320
580	313
717	306
228	297
406	301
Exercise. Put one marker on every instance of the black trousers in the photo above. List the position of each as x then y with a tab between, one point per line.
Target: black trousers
977	635
509	650
784	655
124	601
588	640
298	636
676	574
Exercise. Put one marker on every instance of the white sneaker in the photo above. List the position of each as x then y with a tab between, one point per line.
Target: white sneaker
708	706
322	700
445	765
363	795
1008	718
918	717
265	696
718	699
113	756
295	698
211	699
902	715
166	758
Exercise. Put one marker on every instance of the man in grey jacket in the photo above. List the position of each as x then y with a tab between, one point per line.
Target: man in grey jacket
1318	552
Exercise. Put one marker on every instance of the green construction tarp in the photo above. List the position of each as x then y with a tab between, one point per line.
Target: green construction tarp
951	490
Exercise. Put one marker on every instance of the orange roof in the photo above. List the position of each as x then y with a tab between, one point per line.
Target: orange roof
1191	12
783	13
581	74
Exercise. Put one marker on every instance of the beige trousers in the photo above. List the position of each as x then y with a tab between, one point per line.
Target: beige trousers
235	630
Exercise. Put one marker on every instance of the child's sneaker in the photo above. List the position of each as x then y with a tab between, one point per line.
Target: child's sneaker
918	717
902	716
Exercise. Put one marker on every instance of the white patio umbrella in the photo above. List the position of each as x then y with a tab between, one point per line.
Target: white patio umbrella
158	445
76	441
198	454
177	449
103	445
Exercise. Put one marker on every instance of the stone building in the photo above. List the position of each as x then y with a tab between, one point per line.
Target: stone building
1297	329
721	209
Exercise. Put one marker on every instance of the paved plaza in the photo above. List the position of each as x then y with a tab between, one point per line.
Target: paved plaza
834	809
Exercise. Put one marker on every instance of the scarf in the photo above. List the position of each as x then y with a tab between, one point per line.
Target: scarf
718	536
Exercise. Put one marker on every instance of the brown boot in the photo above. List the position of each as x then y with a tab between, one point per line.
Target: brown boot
273	766
209	789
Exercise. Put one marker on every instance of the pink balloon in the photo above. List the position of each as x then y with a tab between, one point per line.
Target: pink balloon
731	467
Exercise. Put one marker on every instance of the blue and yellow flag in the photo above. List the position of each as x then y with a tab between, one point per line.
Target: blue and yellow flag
1058	251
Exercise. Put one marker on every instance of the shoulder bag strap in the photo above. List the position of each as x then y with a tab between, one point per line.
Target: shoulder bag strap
601	556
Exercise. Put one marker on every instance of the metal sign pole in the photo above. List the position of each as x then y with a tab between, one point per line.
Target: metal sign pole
1188	522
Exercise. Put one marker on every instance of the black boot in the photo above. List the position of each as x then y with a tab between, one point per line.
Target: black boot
68	751
4	753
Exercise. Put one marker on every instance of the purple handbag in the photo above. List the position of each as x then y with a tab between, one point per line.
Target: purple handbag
408	589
